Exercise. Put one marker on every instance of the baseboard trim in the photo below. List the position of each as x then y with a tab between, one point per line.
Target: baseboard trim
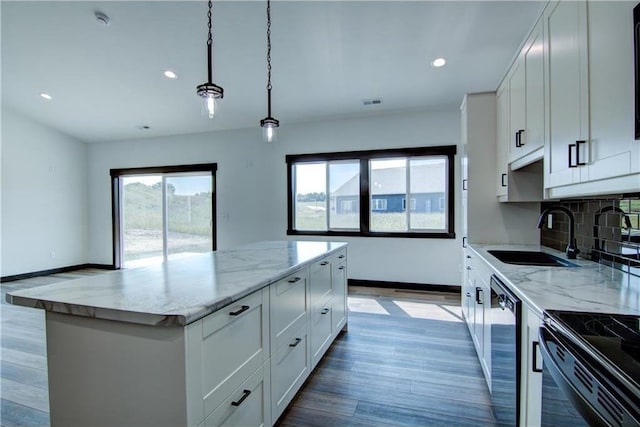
54	271
404	285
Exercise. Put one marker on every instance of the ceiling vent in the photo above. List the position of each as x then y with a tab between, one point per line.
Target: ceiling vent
375	101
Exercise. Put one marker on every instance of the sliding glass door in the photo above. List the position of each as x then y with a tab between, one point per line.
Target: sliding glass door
162	213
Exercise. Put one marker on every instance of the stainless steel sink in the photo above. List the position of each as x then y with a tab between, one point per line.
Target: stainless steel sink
531	258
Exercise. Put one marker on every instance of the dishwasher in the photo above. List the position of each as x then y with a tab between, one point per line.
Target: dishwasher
506	311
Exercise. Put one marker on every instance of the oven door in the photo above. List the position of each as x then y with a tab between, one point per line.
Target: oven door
571	374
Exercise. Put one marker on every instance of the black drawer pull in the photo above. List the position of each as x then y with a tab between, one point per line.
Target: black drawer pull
324	263
296	342
341	267
504	175
578	162
245	394
324	311
478	297
534	357
464	184
340	256
294	280
571	165
240	310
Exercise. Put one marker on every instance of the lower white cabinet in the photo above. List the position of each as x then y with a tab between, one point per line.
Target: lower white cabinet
476	308
531	369
248	405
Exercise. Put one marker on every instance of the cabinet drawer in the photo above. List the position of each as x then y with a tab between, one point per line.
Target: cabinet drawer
248	405
320	280
289	366
235	342
288	301
321	327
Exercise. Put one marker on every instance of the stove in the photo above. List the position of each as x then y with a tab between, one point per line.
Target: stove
595	359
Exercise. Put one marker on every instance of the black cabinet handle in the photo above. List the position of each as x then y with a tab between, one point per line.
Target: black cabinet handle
240	310
341	267
478	291
296	342
294	280
324	311
571	165
534	357
340	256
245	394
464	184
519	138
504	175
464	242
578	162
324	263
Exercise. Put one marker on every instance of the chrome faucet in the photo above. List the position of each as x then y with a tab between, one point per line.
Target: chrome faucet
572	247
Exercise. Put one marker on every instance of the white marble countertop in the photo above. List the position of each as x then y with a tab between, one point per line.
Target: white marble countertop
589	287
180	291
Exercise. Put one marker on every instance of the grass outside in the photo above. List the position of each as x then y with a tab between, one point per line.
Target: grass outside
312	216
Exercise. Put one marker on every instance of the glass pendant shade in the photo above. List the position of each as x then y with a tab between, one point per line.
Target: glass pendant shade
210	93
269	129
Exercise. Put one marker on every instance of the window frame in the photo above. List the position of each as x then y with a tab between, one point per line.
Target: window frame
449	151
116	192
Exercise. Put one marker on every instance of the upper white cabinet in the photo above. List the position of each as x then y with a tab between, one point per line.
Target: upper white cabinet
566	58
591	148
527	102
502	136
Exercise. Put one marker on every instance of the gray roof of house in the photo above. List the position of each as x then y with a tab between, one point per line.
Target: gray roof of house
424	179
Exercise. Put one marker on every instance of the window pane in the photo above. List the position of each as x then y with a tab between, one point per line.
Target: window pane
142	219
428	192
344	180
388	188
189	213
310	196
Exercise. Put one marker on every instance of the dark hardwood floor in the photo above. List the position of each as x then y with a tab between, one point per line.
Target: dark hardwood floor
407	360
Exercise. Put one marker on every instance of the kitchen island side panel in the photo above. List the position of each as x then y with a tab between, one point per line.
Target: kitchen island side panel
107	371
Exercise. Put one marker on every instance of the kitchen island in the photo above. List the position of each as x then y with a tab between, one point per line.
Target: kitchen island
223	338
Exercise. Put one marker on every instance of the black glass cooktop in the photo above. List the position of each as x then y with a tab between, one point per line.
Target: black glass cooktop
615	337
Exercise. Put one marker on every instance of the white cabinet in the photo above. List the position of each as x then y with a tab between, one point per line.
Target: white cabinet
531	369
597	35
290	358
328	304
566	63
502	139
233	343
526	102
476	302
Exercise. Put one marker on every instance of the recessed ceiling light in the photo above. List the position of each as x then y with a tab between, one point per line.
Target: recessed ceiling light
143	127
46	96
170	74
438	62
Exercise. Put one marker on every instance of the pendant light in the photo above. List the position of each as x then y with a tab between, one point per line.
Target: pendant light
209	91
269	124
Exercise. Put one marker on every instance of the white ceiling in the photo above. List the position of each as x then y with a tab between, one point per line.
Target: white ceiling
327	57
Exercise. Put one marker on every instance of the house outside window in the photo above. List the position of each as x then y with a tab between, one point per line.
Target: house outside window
364	193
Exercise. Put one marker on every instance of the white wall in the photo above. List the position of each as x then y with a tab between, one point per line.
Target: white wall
44	197
252	186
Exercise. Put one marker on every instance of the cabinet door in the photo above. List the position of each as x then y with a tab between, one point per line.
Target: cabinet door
249	405
517	108
340	295
502	128
614	151
234	343
320	281
566	53
532	138
531	365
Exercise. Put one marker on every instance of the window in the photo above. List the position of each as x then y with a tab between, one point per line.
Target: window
365	193
162	212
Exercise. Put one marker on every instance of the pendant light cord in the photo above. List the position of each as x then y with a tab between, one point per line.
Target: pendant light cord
210	43
269	57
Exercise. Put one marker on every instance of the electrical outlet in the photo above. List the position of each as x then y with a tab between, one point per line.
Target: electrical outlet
52	254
